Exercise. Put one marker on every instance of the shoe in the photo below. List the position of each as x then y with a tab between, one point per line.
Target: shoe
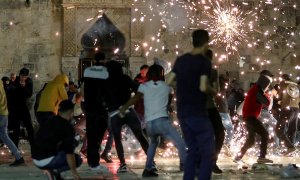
149	173
181	167
18	162
154	167
289	150
264	160
52	175
106	158
101	168
217	170
122	168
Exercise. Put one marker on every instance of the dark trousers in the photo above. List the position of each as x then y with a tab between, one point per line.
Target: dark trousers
43	117
199	137
134	124
96	125
60	164
287	118
15	119
219	130
254	126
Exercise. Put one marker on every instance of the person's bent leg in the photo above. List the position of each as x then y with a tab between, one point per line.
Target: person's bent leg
116	124
170	133
227	123
218	128
135	125
28	125
292	125
250	137
5	138
110	139
280	128
154	139
260	130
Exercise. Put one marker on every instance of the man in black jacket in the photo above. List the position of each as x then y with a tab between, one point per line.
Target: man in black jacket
94	92
18	94
55	144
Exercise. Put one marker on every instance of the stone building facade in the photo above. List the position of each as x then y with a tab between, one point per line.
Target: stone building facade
46	38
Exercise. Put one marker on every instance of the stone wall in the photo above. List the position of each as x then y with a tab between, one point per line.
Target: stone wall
30	37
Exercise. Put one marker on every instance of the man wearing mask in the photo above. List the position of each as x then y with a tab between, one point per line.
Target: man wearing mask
253	105
18	95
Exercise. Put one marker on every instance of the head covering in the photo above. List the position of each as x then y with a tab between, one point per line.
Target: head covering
266	73
24	72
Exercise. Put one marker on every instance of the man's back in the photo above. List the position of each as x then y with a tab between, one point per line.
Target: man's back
188	69
57	135
95	88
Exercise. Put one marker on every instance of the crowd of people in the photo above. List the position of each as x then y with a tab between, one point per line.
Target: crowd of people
206	105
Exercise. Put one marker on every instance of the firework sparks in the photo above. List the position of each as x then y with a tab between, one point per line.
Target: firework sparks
227	24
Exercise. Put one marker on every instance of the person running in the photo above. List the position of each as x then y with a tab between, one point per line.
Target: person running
18	95
19	160
50	98
156	96
214	115
192	71
55	144
251	111
120	88
94	91
289	104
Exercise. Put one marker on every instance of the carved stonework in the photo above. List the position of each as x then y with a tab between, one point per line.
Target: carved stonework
69	33
81	15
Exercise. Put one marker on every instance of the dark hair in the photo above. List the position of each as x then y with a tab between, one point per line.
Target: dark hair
65	106
155	73
145	66
24	72
209	54
200	37
115	69
99	56
286	77
266	73
71	83
5	78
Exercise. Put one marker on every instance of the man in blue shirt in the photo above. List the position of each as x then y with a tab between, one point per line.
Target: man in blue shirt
191	72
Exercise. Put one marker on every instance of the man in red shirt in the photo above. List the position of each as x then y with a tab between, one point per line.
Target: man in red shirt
253	104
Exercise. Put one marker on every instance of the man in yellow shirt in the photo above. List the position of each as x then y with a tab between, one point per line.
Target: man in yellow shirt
3	129
51	96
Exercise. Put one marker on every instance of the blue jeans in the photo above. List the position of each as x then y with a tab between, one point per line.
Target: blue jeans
5	138
60	164
163	127
227	123
199	136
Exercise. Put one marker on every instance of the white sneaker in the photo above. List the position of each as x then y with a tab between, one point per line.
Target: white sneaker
101	168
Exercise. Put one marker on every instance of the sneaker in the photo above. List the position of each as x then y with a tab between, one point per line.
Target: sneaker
149	173
264	160
18	162
289	150
217	170
101	168
122	168
106	158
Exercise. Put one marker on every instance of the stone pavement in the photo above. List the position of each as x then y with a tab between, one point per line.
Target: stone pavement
168	169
